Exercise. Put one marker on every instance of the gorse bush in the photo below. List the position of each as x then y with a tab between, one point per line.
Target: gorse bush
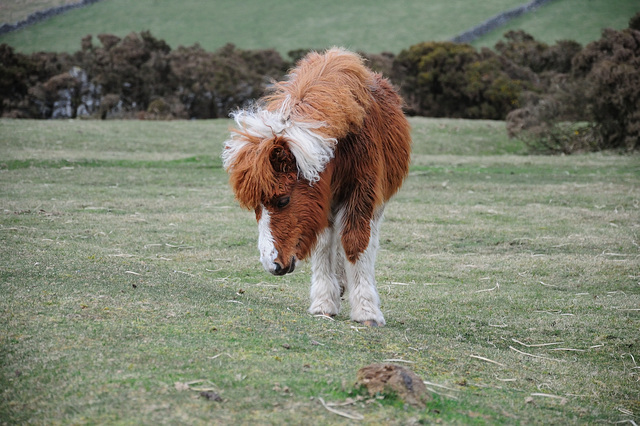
601	90
522	49
610	69
136	76
141	76
444	79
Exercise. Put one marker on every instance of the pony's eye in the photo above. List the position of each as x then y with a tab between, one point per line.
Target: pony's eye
282	202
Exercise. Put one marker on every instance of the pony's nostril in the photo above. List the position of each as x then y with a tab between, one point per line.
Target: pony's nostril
277	269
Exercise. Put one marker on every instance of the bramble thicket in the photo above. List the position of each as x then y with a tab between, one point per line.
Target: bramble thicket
559	98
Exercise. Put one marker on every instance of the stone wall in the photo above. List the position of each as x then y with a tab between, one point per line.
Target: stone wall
497	21
43	15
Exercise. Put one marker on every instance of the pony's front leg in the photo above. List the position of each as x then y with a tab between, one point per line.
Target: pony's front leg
325	289
361	281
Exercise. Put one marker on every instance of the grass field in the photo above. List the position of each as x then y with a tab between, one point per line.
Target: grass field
130	283
372	26
12	11
577	20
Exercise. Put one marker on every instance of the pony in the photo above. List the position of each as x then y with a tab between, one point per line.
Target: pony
317	158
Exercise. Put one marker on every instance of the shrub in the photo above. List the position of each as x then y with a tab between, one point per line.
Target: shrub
445	79
602	89
22	75
610	69
132	67
210	85
15	70
135	76
522	49
540	126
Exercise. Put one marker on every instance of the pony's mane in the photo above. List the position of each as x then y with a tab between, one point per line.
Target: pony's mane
322	100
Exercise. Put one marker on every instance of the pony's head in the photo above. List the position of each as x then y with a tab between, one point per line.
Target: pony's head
281	169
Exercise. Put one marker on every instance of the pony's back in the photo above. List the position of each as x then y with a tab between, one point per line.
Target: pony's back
330	88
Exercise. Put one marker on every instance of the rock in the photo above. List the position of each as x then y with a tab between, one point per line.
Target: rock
389	378
211	396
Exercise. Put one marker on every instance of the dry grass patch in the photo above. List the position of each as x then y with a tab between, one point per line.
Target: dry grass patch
510	285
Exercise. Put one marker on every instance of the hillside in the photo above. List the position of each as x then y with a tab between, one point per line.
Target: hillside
12	11
373	26
568	20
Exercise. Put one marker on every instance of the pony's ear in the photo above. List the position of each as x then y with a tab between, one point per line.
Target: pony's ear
281	158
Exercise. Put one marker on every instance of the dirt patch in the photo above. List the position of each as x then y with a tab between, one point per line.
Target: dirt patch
389	378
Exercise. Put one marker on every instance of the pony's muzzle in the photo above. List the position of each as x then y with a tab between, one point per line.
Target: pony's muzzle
284	269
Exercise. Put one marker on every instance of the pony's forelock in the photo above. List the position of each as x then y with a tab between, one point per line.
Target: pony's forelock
311	149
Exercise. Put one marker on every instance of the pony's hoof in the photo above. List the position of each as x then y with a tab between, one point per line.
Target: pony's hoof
371	323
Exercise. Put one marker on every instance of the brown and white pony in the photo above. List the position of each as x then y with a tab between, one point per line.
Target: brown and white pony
317	158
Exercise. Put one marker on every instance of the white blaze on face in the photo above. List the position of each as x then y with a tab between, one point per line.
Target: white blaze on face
268	252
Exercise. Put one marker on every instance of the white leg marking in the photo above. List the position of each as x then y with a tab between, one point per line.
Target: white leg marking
361	279
325	290
268	252
341	274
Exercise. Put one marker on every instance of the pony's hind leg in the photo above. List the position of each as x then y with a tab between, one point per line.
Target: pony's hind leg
325	288
361	280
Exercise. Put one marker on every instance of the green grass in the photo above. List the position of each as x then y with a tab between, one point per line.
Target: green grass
577	20
126	267
12	11
371	26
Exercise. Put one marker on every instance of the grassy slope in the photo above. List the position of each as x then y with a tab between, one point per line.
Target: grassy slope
126	266
392	26
577	20
371	26
12	11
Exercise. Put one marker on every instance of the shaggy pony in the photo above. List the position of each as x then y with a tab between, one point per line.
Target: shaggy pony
317	158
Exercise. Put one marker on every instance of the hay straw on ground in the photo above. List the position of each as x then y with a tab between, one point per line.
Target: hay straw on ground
535	356
398	360
562	399
441	393
430	389
340	413
324	316
506	380
487	360
220	354
489	289
537	345
440	386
